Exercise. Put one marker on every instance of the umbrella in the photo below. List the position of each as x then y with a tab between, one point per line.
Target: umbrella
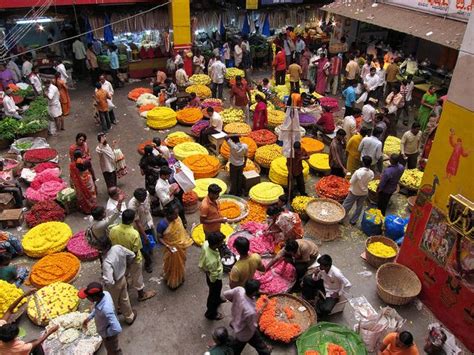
90	34
221	27
246	26
108	33
266	27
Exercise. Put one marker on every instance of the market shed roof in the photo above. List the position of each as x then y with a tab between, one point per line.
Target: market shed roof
432	28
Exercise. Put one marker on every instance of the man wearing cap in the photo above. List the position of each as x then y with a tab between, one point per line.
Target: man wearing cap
106	321
114	266
209	214
125	235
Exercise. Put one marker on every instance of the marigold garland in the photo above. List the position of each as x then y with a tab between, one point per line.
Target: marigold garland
147	107
252	147
230	115
201	91
175	138
333	187
311	145
141	146
229	209
299	203
201	79
249	165
237	128
161	118
319	161
183	150
275	117
55	267
203	184
189	115
9	293
279	171
203	166
198	233
231	73
46	238
134	94
266	193
52	301
264	155
190	198
257	212
263	137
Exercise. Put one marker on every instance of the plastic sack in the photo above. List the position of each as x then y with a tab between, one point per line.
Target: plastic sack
148	247
184	177
369	226
395	226
36	143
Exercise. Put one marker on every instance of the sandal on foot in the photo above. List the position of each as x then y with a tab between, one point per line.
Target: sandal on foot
147	295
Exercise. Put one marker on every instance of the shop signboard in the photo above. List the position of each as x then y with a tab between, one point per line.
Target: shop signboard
276	2
455	9
251	4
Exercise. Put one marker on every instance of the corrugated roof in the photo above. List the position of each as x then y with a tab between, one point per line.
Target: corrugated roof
432	28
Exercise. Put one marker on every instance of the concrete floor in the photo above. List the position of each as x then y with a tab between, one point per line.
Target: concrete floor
173	322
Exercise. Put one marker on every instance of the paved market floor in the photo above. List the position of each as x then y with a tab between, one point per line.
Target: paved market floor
173	322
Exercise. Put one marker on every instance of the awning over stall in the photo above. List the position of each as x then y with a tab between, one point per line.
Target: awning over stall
432	28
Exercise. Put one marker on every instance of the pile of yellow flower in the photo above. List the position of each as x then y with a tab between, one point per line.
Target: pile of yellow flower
203	184
230	115
46	238
311	145
375	215
270	106
391	145
373	185
299	203
9	293
249	165
275	118
279	171
281	91
237	128
231	73
251	145
381	250
52	301
200	79
411	178
161	118
186	149
175	138
203	165
264	155
254	93
202	91
189	115
319	161
198	233
266	193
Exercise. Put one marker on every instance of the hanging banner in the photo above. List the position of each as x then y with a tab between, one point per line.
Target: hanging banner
456	9
251	4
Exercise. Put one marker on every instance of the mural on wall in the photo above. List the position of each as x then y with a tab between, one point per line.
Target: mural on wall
461	262
458	152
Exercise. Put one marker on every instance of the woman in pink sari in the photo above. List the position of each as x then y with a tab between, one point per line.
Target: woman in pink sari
322	74
81	180
305	57
260	118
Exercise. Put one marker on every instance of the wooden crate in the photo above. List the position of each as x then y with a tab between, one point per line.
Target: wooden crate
6	201
11	218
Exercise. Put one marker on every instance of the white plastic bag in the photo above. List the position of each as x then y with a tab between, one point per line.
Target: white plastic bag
363	97
184	177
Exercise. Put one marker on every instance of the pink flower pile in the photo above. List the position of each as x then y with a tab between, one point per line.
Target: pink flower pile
44	166
253	227
262	243
280	278
78	246
45	186
330	102
198	127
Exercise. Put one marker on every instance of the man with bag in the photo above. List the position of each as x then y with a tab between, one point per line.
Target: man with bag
167	192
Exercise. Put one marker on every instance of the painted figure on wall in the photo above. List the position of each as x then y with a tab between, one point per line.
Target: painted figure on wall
438	239
458	152
461	263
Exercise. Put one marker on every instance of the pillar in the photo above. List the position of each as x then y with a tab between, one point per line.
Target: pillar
180	20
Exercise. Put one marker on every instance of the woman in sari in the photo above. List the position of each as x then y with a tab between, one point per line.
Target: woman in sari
81	180
63	95
305	57
260	118
428	101
322	73
81	144
173	235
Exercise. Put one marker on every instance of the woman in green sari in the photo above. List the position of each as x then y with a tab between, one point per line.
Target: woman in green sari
428	101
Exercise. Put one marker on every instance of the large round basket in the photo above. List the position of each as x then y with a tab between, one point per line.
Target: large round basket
190	209
396	284
242	203
325	211
304	318
377	261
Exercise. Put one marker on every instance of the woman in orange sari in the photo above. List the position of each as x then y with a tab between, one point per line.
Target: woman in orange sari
63	94
176	240
81	180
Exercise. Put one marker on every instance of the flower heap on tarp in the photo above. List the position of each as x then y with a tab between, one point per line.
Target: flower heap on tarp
411	178
79	246
333	187
198	127
391	145
279	171
45	186
161	118
237	128
203	165
319	161
53	268
9	293
264	155
198	233
263	137
134	94
200	79
44	211
176	138
265	193
44	166
40	155
311	145
187	149
203	184
216	104
189	116
52	301
201	91
251	145
230	115
231	73
147	99
306	119
278	279
257	213
275	118
46	238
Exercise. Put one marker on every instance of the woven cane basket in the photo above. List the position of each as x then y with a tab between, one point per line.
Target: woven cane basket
377	261
396	284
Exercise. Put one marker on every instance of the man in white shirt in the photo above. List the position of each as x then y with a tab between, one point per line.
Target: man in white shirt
107	161
371	82
79	57
164	190
410	145
9	106
160	149
61	69
108	87
15	70
349	124
238	54
372	146
327	284
368	113
35	81
359	189
182	79
114	203
27	66
217	73
237	161
55	112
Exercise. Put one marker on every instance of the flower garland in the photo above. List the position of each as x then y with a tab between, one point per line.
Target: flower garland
319	161
52	301
279	171
263	137
230	115
44	211
198	233
173	139
46	238
40	155
45	166
134	94
45	186
275	117
55	267
257	213
231	73
299	203
249	165
201	91
198	127
189	115
161	118
237	128
229	209
333	187
146	107
9	293
200	79
252	147
190	198
391	145
203	184
266	193
264	155
187	149
311	145
141	146
79	246
203	166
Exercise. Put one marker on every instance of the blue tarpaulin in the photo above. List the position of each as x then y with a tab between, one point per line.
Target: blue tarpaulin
266	27
89	35
108	33
246	26
221	27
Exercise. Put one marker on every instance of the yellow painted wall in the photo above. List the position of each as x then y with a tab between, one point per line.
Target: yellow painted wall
461	121
180	16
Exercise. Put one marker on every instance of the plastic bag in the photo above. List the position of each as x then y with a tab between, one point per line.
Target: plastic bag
395	226
147	247
369	226
363	97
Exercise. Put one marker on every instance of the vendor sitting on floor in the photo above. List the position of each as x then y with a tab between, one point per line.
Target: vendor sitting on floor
302	253
284	225
10	273
324	286
8	184
10	244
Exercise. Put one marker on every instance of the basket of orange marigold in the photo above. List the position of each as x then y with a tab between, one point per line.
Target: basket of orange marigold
189	116
202	165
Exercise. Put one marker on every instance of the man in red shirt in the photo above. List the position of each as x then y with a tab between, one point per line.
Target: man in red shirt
296	166
240	92
326	122
334	73
279	64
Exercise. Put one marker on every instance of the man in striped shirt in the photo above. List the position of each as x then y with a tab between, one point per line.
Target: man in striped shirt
334	74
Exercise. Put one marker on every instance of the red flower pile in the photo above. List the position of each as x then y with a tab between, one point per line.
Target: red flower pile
40	155
45	186
333	187
44	211
43	166
263	137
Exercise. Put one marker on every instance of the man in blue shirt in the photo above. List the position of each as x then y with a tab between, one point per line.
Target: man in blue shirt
349	95
106	321
388	182
114	66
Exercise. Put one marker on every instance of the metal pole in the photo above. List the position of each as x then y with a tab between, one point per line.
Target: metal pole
290	170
